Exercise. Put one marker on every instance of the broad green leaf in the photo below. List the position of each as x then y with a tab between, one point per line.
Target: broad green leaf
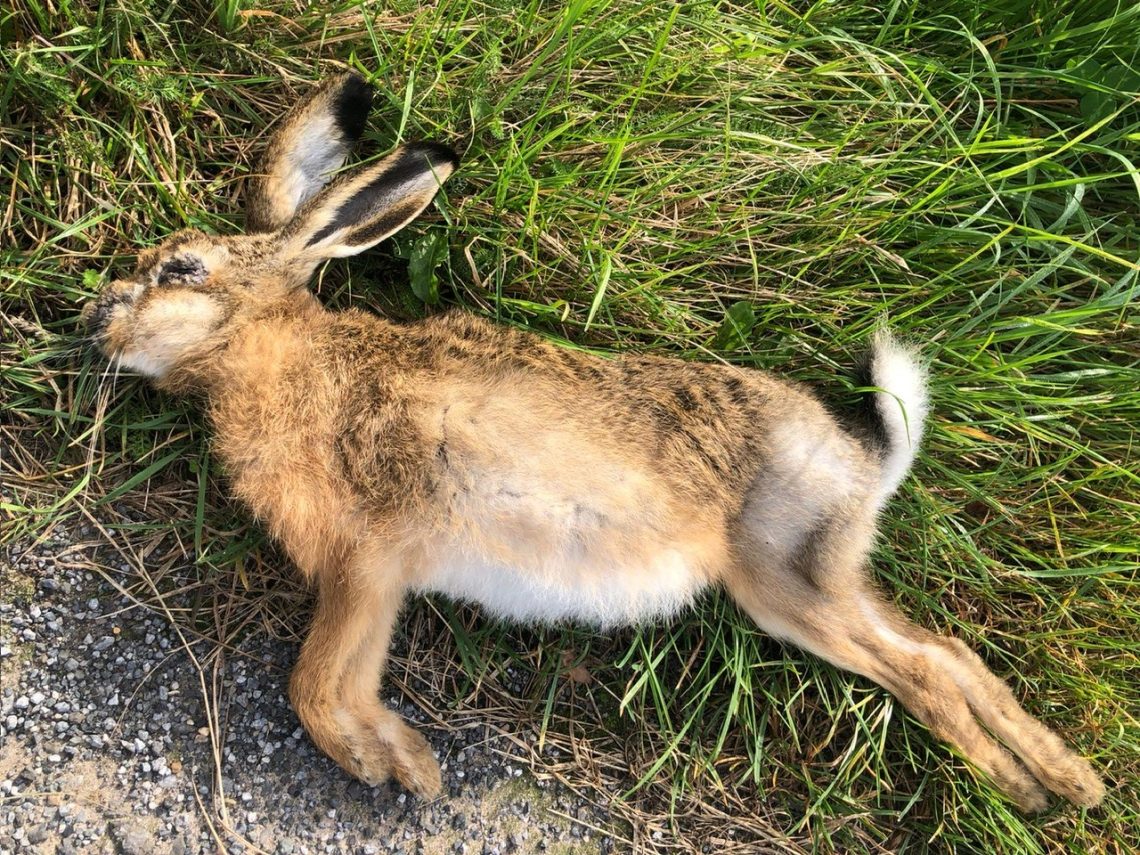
738	323
427	253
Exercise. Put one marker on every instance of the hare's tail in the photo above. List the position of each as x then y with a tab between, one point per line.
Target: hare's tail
897	408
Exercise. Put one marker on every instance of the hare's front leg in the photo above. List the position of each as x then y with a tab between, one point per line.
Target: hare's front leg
335	684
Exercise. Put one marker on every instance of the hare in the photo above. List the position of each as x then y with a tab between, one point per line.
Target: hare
454	456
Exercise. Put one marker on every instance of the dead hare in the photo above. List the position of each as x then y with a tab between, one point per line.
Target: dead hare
455	456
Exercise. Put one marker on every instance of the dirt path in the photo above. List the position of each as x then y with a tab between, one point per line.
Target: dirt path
114	740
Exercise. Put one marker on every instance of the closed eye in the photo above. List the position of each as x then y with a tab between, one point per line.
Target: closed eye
181	270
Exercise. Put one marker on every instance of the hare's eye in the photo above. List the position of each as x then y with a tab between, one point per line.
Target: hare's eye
181	270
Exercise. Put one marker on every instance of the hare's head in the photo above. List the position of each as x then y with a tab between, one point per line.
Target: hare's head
188	296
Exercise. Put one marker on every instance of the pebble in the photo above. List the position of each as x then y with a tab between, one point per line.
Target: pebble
132	838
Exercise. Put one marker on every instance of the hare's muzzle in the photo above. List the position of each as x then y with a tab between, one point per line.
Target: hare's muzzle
99	311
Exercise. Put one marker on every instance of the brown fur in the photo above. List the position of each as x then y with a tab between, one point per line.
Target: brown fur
363	445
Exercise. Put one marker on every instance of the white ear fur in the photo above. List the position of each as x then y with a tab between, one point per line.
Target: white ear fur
311	144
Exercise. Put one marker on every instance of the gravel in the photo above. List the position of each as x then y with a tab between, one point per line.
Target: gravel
105	744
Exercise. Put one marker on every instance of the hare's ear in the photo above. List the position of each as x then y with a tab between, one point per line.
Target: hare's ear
313	141
365	206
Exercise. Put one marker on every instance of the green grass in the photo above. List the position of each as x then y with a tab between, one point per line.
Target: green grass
632	171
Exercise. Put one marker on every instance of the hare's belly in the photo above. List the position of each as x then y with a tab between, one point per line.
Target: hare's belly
528	553
555	588
543	519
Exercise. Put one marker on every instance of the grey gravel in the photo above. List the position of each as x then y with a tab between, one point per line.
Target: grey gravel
104	744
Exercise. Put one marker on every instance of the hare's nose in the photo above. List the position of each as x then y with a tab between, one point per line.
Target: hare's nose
97	312
87	313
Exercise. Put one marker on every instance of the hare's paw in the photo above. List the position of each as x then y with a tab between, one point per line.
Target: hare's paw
1072	777
1029	795
381	746
413	763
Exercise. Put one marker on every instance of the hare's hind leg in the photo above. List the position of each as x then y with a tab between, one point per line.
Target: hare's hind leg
335	684
835	614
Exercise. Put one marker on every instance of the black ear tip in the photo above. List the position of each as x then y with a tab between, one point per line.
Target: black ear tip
436	154
352	103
